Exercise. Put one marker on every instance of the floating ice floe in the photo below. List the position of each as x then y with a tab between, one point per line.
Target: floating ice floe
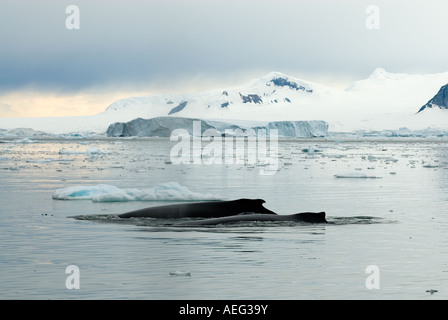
93	150
89	151
25	141
170	191
385	158
334	155
311	150
355	176
41	161
180	274
67	151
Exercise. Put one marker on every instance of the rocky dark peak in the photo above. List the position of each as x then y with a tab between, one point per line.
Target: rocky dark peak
251	98
440	100
282	82
178	108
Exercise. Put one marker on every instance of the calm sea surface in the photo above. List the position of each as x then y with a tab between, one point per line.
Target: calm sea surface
387	236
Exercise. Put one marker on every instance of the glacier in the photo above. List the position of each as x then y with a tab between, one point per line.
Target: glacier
164	126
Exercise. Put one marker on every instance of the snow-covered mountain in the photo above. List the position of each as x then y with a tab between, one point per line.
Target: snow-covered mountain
389	101
383	101
268	94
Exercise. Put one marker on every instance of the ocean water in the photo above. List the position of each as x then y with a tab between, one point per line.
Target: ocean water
386	202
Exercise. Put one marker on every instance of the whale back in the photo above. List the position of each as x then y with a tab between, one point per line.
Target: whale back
210	209
307	217
312	217
250	206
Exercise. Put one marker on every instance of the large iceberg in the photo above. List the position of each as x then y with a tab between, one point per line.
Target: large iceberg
164	126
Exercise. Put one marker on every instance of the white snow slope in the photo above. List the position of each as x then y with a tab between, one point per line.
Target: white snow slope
384	101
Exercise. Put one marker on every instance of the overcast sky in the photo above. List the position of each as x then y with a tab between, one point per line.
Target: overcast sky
143	47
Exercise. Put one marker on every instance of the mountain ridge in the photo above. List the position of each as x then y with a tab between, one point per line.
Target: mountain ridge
276	88
382	101
440	100
273	88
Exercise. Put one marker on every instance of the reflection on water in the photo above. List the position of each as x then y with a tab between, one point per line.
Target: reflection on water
358	220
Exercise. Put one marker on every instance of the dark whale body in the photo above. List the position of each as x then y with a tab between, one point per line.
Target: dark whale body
308	217
212	209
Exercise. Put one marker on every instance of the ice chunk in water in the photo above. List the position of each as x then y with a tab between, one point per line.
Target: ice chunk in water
170	191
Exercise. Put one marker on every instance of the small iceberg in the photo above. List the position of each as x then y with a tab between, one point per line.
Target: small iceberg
25	141
67	151
94	150
170	191
180	274
355	176
89	151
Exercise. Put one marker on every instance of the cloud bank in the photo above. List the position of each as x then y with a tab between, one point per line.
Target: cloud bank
173	45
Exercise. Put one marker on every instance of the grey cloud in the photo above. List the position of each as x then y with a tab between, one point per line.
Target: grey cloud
132	42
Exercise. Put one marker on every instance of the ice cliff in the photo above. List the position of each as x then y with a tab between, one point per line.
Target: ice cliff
164	126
